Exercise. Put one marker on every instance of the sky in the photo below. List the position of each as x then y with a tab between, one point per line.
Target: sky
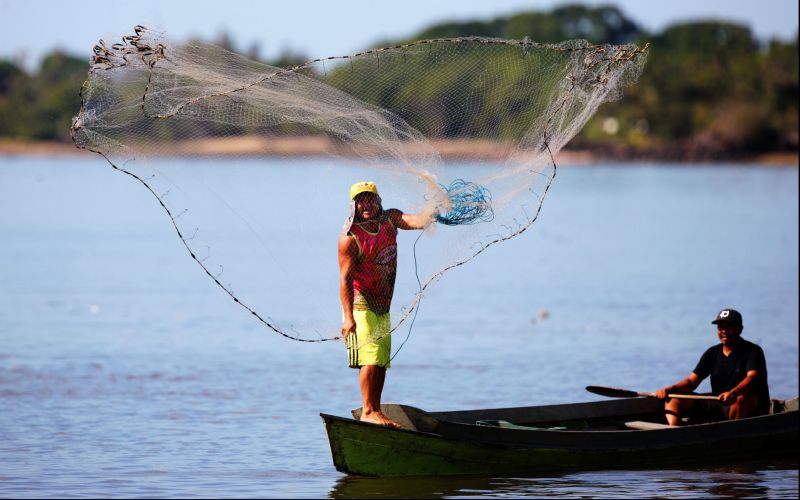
31	28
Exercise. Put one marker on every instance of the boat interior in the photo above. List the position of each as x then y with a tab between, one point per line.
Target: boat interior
619	414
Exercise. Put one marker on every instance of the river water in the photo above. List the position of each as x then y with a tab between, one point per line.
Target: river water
125	373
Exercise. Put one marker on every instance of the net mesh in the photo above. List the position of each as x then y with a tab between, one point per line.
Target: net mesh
414	118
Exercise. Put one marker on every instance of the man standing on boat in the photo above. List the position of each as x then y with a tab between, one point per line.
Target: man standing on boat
738	373
367	267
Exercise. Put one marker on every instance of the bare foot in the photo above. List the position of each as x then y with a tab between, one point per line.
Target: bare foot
379	418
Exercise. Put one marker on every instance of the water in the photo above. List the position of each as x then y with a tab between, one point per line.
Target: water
125	373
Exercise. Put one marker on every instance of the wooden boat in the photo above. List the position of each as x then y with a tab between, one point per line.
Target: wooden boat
614	434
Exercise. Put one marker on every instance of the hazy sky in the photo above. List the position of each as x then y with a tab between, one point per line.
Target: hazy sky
30	28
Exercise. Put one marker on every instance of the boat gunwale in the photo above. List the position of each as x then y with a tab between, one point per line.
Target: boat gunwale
588	433
440	417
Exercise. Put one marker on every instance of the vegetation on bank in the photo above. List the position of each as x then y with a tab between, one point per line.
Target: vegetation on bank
710	90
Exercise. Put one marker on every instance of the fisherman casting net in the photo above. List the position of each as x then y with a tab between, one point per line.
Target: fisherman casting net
253	163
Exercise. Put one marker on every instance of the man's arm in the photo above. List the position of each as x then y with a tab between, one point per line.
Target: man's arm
409	221
686	385
742	388
347	252
755	366
690	383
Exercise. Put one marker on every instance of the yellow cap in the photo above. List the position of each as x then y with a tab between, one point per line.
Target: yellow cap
362	187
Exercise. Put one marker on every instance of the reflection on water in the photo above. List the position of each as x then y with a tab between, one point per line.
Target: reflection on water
412	487
776	479
124	373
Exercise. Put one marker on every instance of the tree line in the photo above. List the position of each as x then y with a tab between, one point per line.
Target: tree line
710	90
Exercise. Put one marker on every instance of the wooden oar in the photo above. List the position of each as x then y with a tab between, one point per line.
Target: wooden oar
613	392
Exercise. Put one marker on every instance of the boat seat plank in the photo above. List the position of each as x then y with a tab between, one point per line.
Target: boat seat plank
504	424
646	426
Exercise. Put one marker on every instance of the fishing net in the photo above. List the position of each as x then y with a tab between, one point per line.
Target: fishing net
253	163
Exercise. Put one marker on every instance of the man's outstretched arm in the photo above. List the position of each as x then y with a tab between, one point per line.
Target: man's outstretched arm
409	221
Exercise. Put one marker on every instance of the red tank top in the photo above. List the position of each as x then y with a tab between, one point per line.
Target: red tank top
376	267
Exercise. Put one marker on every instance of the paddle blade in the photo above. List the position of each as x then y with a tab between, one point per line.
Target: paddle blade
612	392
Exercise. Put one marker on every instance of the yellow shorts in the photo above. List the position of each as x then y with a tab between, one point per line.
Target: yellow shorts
362	350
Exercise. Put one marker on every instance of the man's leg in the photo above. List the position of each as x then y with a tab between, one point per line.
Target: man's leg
674	408
371	378
744	406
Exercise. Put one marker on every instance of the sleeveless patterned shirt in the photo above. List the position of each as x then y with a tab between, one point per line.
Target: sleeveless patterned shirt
376	266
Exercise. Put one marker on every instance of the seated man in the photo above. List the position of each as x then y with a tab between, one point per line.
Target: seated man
738	376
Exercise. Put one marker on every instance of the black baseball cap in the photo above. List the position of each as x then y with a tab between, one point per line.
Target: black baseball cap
731	316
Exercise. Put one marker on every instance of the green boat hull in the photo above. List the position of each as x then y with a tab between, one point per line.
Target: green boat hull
454	448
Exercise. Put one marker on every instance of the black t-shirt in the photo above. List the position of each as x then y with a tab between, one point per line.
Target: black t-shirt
727	371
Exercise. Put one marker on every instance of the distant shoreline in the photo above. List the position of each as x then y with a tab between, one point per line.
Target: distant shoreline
480	150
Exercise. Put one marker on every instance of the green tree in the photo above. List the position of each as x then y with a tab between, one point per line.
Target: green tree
13	81
604	24
780	73
41	106
709	89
